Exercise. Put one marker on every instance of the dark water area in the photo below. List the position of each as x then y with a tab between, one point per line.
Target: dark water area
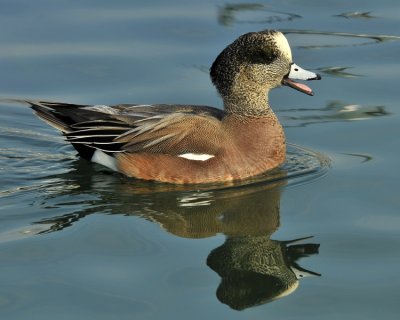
317	238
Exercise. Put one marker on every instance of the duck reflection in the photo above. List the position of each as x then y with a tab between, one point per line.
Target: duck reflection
254	268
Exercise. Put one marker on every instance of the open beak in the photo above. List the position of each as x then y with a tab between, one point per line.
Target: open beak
300	74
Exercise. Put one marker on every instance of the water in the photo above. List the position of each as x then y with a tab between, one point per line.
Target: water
78	242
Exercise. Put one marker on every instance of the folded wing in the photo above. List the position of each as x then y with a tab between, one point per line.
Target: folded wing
166	129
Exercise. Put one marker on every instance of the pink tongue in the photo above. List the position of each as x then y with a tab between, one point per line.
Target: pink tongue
298	86
302	87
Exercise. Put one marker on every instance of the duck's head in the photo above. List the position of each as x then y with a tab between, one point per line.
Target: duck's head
257	62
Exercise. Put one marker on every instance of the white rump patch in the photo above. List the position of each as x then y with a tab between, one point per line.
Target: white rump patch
104	159
196	156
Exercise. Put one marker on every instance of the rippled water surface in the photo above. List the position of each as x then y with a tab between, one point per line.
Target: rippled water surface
79	242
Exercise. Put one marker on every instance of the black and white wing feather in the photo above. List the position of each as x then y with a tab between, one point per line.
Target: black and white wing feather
169	129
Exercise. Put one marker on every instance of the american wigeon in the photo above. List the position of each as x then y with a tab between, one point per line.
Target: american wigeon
193	144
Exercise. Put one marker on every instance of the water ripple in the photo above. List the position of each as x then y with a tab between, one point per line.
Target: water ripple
246	13
371	38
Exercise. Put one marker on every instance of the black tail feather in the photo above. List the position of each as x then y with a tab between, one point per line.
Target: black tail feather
99	131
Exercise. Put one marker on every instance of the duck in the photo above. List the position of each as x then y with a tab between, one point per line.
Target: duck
193	144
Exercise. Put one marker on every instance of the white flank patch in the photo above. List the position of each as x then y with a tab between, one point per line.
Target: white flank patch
283	45
196	156
104	159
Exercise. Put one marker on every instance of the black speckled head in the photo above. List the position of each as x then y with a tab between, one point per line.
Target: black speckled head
256	59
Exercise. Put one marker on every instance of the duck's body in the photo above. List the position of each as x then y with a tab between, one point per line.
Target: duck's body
193	144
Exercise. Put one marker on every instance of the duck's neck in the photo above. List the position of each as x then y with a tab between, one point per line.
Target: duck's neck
248	104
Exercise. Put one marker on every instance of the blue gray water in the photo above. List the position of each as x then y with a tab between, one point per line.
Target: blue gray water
79	242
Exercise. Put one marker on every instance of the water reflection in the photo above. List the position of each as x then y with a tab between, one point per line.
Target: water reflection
254	268
356	15
236	13
339	72
360	39
334	111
